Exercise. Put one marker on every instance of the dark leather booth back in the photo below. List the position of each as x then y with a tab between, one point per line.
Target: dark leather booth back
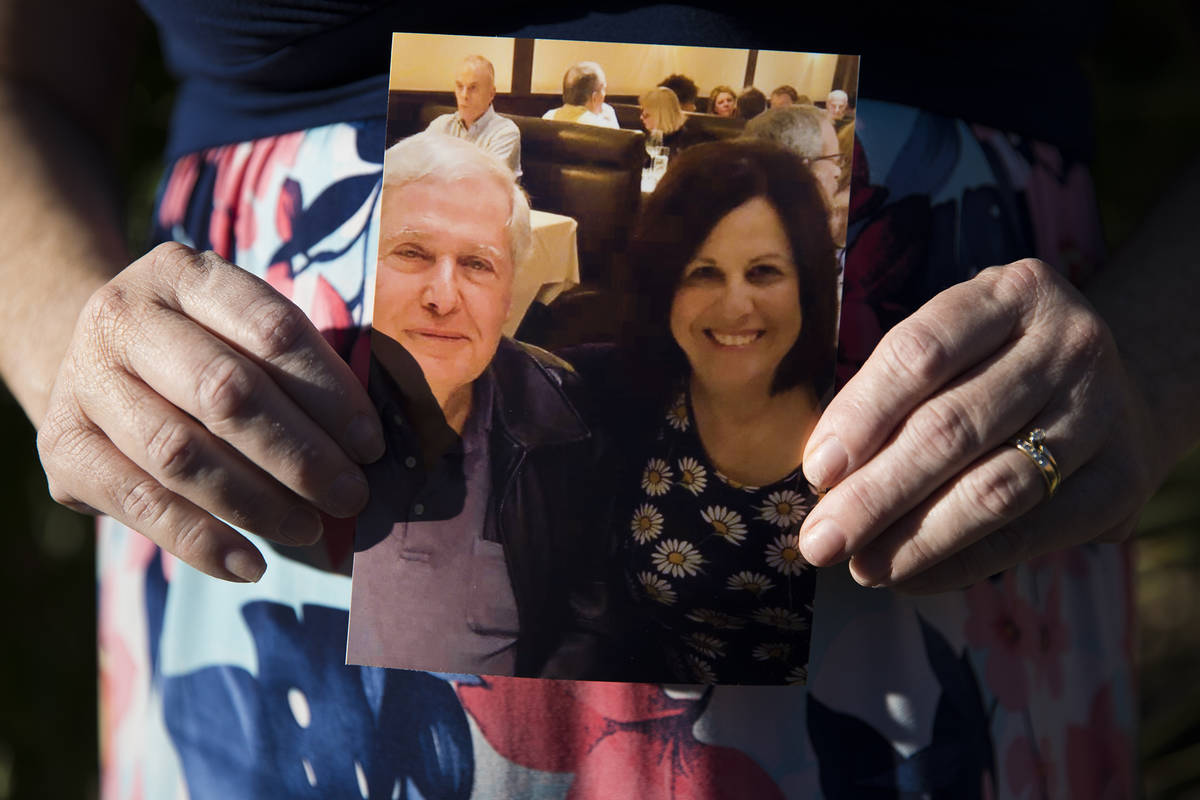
715	127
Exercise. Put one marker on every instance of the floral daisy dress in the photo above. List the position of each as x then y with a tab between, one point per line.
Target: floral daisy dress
715	566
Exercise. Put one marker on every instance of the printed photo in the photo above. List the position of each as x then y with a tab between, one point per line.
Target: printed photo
604	323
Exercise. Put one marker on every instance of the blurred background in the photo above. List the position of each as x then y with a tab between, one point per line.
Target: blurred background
1146	78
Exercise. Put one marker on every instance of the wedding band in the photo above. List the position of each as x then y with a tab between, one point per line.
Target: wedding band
1033	444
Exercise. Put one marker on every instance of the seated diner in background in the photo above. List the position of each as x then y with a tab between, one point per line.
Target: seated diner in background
684	88
837	106
584	89
750	103
476	120
722	102
661	112
785	96
807	132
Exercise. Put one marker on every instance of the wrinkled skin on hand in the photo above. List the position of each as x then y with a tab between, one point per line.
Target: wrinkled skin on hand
928	492
192	393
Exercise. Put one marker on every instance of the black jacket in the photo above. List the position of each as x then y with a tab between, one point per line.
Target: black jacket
548	481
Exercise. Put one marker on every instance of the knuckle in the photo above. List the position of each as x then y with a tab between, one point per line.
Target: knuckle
303	467
914	353
945	428
108	319
143	503
275	327
997	491
1087	339
172	261
193	540
65	445
224	389
173	451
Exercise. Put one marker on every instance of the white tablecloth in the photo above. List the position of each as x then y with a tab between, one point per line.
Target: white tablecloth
552	266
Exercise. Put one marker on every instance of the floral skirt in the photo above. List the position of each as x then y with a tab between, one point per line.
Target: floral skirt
1021	686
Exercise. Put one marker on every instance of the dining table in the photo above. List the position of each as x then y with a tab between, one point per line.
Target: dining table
550	268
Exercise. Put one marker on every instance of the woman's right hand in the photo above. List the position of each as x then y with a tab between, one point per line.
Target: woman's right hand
192	392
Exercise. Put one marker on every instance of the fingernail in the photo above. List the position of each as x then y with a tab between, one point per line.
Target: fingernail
364	437
301	525
348	494
869	570
825	466
823	544
248	565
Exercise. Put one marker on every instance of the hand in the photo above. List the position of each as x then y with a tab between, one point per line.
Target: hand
928	492
192	390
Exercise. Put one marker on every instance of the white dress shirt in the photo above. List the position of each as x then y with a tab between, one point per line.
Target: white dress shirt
491	132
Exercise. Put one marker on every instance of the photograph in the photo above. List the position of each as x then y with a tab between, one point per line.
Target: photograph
604	324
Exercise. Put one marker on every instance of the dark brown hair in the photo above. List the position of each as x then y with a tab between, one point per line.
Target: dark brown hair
701	186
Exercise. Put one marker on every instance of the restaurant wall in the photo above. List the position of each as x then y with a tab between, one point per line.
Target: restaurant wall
633	68
426	63
809	73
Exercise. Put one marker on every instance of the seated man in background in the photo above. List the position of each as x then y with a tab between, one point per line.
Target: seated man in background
784	96
751	102
584	88
807	131
476	120
684	88
472	554
837	106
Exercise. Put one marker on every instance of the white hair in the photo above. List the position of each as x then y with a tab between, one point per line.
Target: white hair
436	156
838	94
798	128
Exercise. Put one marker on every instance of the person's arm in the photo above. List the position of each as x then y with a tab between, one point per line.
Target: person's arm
62	68
928	491
171	390
505	145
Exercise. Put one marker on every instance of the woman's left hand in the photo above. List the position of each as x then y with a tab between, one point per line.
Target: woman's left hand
929	492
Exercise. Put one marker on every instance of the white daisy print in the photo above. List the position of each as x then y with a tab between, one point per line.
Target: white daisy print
677	415
782	618
705	644
725	523
715	619
702	671
797	676
646	524
772	651
657	589
784	508
784	554
754	582
656	477
692	475
677	558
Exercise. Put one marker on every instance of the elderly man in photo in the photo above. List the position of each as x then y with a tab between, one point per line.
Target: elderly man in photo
584	89
837	106
477	552
476	120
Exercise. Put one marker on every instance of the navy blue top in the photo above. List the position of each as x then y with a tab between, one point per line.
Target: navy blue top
251	68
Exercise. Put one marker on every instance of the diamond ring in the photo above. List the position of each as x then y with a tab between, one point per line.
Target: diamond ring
1033	444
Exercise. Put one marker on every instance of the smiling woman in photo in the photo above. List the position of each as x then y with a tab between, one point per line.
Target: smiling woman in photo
730	351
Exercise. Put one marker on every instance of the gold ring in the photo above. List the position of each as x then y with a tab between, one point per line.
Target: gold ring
1033	444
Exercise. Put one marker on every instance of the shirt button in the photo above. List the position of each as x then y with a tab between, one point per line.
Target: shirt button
419	509
398	419
410	462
